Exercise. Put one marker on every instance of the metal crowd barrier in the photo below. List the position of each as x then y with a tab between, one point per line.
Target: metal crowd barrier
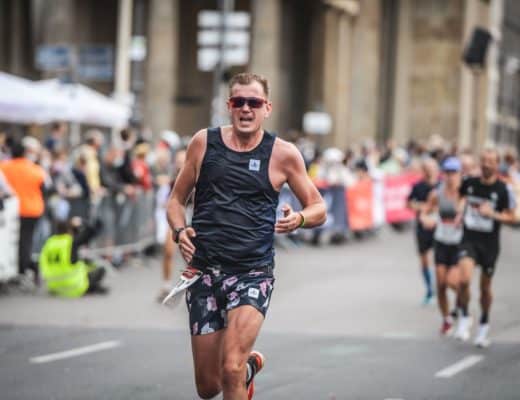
128	224
362	207
9	236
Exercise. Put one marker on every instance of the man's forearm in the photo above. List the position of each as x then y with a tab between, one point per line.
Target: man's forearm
505	217
176	214
314	215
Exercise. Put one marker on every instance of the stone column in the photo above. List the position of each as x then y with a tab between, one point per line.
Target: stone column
265	53
330	72
337	75
366	61
343	115
474	15
124	37
59	22
400	120
161	72
496	16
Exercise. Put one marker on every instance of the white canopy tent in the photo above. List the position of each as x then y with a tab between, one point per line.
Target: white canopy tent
20	102
25	101
86	106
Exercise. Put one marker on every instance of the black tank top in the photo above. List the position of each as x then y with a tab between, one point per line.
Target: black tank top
235	207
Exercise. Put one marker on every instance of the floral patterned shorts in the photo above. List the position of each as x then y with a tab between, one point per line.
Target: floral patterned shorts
215	293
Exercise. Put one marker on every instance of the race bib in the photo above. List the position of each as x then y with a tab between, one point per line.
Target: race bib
448	233
475	221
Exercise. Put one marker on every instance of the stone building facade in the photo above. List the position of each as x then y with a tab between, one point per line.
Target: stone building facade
380	68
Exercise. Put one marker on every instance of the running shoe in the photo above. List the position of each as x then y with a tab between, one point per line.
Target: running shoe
446	328
257	361
482	338
463	328
428	300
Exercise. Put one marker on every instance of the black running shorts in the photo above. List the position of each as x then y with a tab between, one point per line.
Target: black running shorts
424	240
484	255
215	293
446	254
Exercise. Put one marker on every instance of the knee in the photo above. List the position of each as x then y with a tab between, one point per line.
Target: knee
441	287
464	283
453	284
233	373
208	389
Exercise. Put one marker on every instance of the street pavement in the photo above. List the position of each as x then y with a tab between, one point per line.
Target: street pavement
345	322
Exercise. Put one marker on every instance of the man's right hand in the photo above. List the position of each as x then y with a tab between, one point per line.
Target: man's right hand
185	244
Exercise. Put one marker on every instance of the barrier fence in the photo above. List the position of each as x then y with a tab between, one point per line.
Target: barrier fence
9	233
128	224
363	206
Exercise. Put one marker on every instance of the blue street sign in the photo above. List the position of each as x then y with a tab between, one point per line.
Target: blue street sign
54	57
96	63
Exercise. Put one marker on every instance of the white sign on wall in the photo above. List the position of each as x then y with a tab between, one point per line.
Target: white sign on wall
230	48
317	123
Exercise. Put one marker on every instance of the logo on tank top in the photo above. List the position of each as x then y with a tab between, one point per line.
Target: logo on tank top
254	165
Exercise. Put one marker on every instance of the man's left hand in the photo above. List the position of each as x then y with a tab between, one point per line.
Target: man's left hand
289	222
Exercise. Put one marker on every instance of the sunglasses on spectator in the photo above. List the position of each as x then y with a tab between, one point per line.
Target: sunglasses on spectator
252	102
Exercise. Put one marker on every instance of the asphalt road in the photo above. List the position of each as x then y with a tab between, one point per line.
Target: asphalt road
344	323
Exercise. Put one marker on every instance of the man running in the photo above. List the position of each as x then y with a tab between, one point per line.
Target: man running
447	236
487	205
424	236
237	172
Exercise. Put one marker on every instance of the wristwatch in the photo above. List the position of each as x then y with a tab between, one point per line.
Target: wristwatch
176	233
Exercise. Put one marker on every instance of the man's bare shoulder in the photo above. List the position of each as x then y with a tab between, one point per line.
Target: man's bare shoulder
285	151
199	138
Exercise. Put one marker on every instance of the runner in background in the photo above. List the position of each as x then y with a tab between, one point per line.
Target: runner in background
444	202
164	233
487	205
424	236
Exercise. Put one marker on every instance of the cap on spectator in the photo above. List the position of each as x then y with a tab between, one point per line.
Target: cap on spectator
31	143
172	138
451	164
333	155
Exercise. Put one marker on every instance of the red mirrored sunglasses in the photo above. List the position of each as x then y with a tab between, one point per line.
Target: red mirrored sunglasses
252	102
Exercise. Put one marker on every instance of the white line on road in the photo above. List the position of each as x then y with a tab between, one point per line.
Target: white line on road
463	364
75	352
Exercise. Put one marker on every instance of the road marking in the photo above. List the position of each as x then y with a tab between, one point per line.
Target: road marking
399	335
463	364
75	352
344	349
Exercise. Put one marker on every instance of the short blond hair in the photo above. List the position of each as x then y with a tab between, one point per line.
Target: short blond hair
245	78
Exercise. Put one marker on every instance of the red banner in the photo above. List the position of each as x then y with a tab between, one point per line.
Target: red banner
360	200
397	189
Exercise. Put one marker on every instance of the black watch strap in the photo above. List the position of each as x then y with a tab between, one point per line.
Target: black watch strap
176	233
